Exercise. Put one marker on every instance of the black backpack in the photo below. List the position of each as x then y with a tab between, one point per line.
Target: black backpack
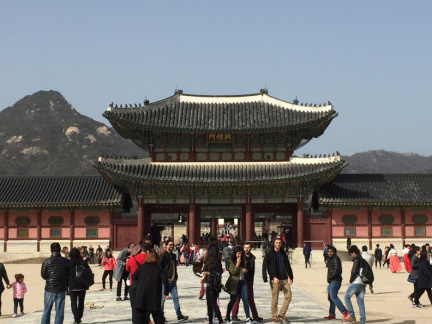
84	275
214	281
367	275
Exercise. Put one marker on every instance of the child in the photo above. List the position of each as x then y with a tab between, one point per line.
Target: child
19	289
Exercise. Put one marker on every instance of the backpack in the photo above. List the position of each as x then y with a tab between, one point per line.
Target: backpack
214	281
84	275
366	274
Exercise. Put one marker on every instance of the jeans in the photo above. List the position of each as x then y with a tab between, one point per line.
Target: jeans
251	301
226	264
49	299
359	291
333	298
242	291
173	292
21	304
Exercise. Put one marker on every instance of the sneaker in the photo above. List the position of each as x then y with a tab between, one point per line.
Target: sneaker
228	320
126	298
101	289
182	318
257	319
371	289
420	305
235	319
330	317
14	315
275	320
249	321
201	296
414	305
345	315
348	319
283	318
119	299
22	313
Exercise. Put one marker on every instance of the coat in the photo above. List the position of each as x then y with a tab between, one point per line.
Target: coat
148	279
424	279
334	269
4	276
233	279
55	271
121	260
269	265
72	282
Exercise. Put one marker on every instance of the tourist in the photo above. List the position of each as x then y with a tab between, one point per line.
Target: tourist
249	278
168	264
212	275
356	287
3	277
148	279
235	285
386	259
55	271
120	273
132	265
226	253
348	242
369	259
406	259
393	258
19	289
277	265
76	289
84	253
186	253
334	279
109	264
65	252
91	254
378	256
413	276
99	254
424	280
307	253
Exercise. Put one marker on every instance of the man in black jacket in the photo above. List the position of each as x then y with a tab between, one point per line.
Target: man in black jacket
168	264
277	265
334	279
54	271
249	278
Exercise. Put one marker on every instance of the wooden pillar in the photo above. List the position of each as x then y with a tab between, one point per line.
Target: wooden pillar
192	223
300	223
113	238
38	228
249	223
140	214
6	230
147	223
369	225
72	228
213	227
403	233
197	225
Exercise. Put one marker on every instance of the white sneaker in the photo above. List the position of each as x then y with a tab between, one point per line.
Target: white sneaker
14	315
250	321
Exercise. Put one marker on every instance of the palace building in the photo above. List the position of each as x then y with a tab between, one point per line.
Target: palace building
217	160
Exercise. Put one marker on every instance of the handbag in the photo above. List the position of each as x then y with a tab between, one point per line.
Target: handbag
409	279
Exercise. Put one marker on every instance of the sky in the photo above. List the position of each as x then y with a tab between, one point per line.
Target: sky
371	59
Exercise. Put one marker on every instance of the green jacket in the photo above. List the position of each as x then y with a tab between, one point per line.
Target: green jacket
233	279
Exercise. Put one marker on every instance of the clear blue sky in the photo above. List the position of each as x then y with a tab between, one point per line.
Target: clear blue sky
371	59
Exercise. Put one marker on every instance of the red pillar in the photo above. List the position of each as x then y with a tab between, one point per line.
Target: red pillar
140	215
6	230
38	228
147	222
197	225
369	225
300	224
192	223
213	228
403	234
72	228
249	223
113	238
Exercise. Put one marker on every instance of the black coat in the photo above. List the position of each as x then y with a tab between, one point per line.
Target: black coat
72	282
4	276
165	263
357	264
269	265
148	279
334	271
55	271
424	279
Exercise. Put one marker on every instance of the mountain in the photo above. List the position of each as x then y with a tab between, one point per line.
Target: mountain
381	161
42	134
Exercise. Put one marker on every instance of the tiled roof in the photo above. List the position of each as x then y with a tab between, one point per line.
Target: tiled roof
27	192
409	189
222	113
219	172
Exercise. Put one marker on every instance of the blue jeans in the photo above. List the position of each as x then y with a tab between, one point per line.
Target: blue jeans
333	298
242	291
359	291
49	299
173	292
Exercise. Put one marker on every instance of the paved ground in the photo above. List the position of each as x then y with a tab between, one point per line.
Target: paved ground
309	305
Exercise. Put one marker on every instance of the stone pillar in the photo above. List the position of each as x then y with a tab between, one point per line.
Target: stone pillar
249	223
140	222
72	228
6	230
38	228
403	233
192	223
300	223
369	225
